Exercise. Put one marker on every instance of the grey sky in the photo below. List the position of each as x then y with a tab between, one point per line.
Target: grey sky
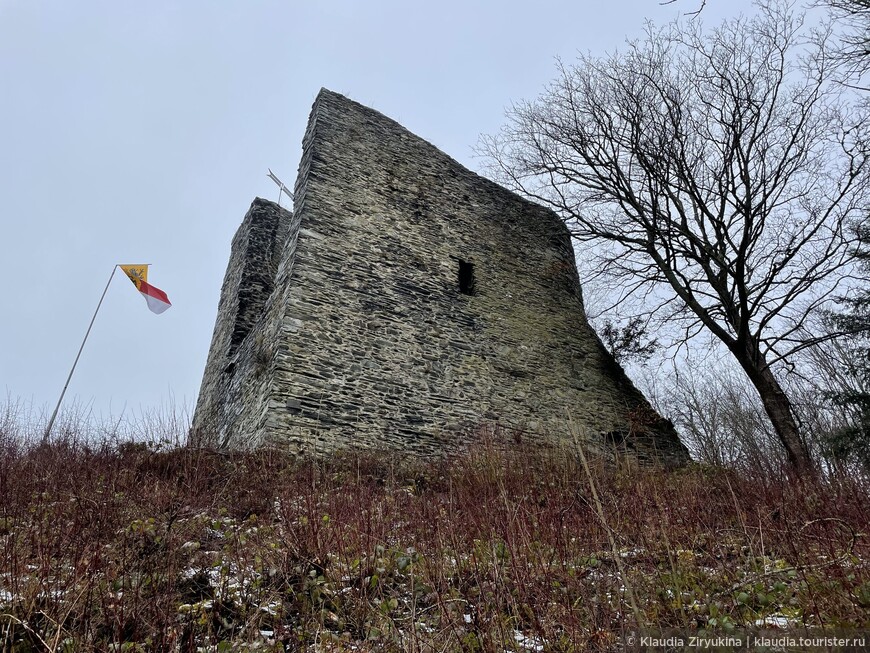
140	133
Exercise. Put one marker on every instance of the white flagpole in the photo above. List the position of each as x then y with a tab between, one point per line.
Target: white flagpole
66	385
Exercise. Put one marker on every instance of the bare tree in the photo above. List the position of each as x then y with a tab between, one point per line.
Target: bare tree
716	172
853	52
719	418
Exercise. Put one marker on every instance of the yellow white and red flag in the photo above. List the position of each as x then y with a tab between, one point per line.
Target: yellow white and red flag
155	298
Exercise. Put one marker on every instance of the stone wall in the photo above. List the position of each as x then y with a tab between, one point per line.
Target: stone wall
404	304
236	357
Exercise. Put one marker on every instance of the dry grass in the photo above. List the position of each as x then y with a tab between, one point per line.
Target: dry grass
120	547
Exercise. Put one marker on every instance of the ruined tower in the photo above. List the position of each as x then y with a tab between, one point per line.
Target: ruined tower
404	303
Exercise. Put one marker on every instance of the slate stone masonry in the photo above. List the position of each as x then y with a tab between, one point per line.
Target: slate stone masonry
406	303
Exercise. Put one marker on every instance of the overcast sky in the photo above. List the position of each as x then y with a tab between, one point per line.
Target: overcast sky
139	132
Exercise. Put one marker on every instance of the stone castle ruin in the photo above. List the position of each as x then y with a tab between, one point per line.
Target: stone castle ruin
406	303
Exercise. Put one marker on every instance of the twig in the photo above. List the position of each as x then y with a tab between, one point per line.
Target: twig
688	13
600	511
27	628
820	565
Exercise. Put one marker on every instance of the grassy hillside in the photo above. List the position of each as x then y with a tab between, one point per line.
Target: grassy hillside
502	549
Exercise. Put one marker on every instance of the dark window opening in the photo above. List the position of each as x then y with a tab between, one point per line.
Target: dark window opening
466	277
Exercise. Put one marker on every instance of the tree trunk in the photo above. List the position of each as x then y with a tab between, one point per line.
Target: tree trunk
778	408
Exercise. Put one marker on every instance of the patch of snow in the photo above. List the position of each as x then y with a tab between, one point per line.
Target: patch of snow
527	642
777	620
189	572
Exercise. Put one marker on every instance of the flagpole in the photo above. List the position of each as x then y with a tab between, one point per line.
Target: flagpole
66	385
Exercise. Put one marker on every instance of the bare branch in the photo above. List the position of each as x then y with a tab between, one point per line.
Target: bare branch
718	170
688	13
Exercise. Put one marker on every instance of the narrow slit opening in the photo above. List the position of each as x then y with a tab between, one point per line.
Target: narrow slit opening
466	277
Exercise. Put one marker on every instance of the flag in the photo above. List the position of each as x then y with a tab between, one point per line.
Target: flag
155	298
136	271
